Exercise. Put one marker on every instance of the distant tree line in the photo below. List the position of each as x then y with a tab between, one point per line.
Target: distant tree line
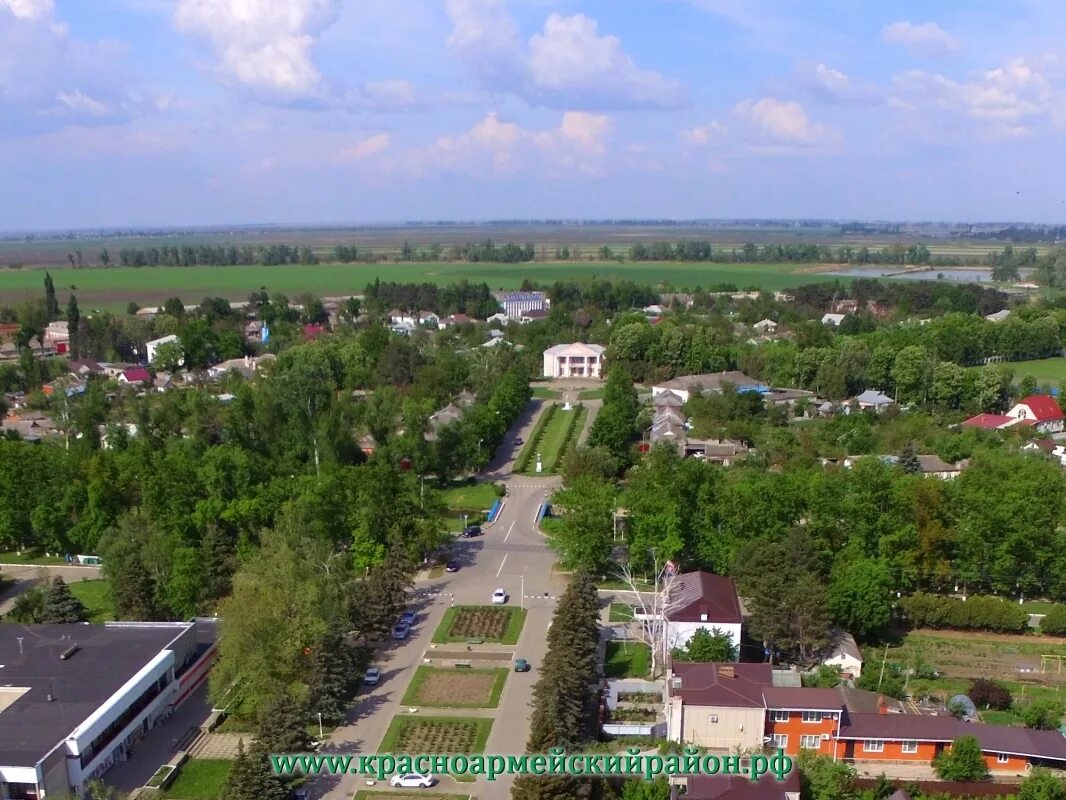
212	256
473	299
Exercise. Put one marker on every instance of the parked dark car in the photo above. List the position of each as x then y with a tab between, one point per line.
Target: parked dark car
401	631
518	440
452	566
521	665
470	531
407	618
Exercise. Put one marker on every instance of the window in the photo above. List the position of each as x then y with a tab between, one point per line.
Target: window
778	716
810	741
910	747
812	716
714	717
873	746
1002	758
781	740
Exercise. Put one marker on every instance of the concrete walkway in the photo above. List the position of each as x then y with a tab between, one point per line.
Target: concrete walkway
161	744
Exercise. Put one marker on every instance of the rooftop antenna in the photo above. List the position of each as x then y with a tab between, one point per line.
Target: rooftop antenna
20	645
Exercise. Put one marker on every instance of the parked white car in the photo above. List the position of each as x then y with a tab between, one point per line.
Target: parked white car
413	781
499	597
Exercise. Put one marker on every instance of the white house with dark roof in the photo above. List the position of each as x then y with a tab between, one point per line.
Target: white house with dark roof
702	600
873	400
844	653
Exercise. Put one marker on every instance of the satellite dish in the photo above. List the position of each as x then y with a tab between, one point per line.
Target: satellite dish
966	704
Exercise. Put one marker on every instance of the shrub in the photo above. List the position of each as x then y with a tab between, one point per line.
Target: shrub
1054	622
963	762
530	448
500	489
976	613
989	694
1043	715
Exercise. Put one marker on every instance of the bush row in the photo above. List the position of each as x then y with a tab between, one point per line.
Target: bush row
522	464
1054	622
571	435
975	613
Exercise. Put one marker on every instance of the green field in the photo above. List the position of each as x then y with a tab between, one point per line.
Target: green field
96	597
627	660
1045	370
475	497
200	779
114	287
560	430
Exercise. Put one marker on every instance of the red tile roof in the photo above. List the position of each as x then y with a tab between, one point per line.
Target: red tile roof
706	685
704	593
1044	407
989	422
136	375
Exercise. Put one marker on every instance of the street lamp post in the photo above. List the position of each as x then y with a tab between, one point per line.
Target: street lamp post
321	735
522	594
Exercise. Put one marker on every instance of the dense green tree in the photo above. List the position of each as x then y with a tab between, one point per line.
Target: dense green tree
708	645
51	305
825	778
584	535
251	777
28	606
859	596
1043	715
963	762
1042	784
334	677
59	605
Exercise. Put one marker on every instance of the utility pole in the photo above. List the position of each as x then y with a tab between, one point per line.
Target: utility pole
522	595
883	662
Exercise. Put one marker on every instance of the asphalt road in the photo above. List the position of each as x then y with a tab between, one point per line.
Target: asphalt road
512	555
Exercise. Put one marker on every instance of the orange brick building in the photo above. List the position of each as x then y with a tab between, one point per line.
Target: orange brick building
735	706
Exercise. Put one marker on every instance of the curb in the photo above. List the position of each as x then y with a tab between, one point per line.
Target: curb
52	566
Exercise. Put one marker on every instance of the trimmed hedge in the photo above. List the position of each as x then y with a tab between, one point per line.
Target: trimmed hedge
522	464
577	417
1054	622
978	613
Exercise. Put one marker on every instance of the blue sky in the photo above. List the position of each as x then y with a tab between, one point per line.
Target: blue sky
197	112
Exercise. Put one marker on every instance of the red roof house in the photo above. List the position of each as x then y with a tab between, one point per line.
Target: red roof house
990	422
1041	411
135	375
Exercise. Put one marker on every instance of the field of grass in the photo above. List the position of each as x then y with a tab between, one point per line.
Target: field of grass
29	557
627	660
1046	370
591	394
113	288
1038	606
475	497
441	687
620	612
200	779
554	438
96	597
544	393
501	624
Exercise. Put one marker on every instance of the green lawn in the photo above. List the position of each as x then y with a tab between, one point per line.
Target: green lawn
445	633
544	393
999	718
96	597
620	612
425	676
591	394
1038	606
1045	370
627	660
114	287
200	779
29	557
472	497
556	435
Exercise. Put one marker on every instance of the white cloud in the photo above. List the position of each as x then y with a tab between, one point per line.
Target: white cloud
1001	103
571	60
497	147
703	134
262	44
28	9
49	78
366	148
781	125
831	85
926	38
80	102
568	63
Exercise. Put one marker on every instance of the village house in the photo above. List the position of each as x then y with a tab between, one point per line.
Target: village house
934	466
57	335
871	400
740	787
833	319
1040	412
710	383
152	347
84	368
765	326
134	376
246	367
702	600
843	652
576	360
33	426
731	707
518	304
999	316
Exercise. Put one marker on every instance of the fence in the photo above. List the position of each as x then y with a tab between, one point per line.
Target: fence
542	512
494	511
